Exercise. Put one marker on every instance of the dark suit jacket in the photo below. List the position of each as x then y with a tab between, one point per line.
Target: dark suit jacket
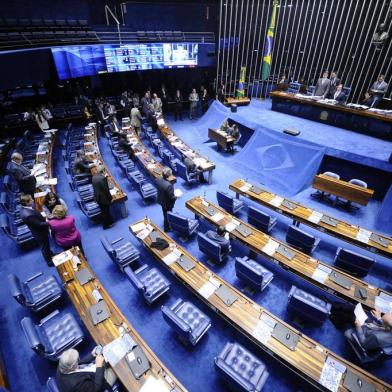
190	165
36	223
373	339
144	102
101	190
82	381
22	176
341	98
333	83
81	166
219	239
166	196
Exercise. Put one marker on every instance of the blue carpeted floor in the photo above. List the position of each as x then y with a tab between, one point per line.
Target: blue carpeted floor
193	367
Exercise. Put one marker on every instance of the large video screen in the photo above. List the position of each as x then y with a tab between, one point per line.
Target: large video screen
77	61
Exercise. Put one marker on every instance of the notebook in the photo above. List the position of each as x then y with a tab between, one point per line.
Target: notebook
99	312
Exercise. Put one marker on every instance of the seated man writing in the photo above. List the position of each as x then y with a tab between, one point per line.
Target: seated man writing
192	168
221	238
234	132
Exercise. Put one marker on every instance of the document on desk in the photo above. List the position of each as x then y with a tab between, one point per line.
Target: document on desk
245	187
138	226
62	258
113	191
276	201
331	374
363	235
116	350
270	247
383	303
143	234
207	290
264	328
152	384
217	217
171	258
321	273
230	227
315	217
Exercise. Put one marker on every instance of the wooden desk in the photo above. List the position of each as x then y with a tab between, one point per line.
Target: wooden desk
237	101
300	213
181	149
308	358
221	138
302	265
91	149
342	189
144	156
3	377
364	121
108	330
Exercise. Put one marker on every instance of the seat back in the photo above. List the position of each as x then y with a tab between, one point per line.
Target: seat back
248	271
32	336
332	174
16	289
209	247
133	278
300	239
52	385
5	225
225	201
175	322
108	247
181	171
353	262
258	219
357	182
294	87
178	223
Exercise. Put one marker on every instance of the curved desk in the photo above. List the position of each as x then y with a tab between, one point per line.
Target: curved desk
307	359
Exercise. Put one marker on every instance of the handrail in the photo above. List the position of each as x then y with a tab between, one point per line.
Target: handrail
107	9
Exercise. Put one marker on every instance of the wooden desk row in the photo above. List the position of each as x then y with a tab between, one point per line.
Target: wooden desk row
308	357
182	150
113	327
91	149
220	137
300	213
237	101
312	270
342	189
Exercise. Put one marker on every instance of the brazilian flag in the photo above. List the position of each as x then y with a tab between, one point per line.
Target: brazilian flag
240	93
267	56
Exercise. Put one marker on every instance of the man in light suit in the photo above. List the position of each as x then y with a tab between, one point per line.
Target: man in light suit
334	82
378	89
25	179
339	95
136	119
373	335
166	196
322	86
219	237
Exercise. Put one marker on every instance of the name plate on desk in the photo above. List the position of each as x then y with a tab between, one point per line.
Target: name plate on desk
341	280
329	221
99	312
210	210
244	230
226	295
380	240
289	204
360	293
256	189
84	276
285	252
285	336
185	263
355	384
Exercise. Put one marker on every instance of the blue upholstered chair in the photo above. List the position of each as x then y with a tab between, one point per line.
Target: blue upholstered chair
241	369
90	209
211	248
294	87
37	292
182	225
229	203
151	283
307	306
183	173
123	253
366	357
53	335
261	220
187	320
21	234
252	273
10	185
301	239
147	190
353	262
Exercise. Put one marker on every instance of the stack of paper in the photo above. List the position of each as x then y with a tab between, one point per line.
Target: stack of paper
113	191
264	328
315	217
144	233
116	350
270	247
363	235
217	217
332	374
138	227
62	258
321	273
152	384
171	258
230	227
276	201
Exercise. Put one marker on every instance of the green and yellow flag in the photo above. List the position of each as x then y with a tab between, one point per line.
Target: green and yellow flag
240	88
267	55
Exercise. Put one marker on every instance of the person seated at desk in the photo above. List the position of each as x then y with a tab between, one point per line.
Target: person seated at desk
192	168
82	164
51	201
367	99
339	96
373	334
124	145
23	176
378	89
225	126
220	237
86	375
234	132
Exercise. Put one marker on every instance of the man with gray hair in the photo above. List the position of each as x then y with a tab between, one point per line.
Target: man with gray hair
166	197
102	196
25	179
74	375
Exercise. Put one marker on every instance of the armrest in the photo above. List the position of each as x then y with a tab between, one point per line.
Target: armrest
176	304
387	350
117	240
47	295
175	319
49	316
34	277
133	278
30	332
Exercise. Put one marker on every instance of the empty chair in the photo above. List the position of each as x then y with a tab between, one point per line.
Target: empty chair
20	234
182	225
151	283
307	306
212	249
367	356
123	253
147	190
37	292
261	220
240	368
229	203
310	90
353	262
187	320
294	87
252	273
90	209
53	335
321	194
301	239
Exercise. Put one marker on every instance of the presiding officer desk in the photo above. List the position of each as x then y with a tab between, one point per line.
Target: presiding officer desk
365	121
182	150
92	152
111	328
300	213
220	137
307	358
314	271
344	189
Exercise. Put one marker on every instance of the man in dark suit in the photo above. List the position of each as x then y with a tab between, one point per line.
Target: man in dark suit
378	89
78	375
334	81
166	197
145	102
220	238
81	164
339	95
102	196
124	145
38	226
192	168
374	334
322	86
25	179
